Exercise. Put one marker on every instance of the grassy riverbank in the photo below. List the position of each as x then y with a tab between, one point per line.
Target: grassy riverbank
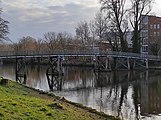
20	102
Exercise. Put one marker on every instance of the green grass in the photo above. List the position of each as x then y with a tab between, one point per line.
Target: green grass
22	103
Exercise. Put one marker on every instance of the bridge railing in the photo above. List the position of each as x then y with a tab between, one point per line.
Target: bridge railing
78	52
131	55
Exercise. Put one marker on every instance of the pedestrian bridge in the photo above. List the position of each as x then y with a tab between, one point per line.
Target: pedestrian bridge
68	53
101	61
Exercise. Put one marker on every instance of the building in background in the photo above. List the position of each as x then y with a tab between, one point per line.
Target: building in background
150	33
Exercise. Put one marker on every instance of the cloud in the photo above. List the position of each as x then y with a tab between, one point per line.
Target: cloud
36	17
156	8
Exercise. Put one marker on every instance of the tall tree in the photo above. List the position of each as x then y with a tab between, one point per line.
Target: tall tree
39	45
155	47
100	25
51	40
136	12
83	32
4	29
27	44
92	31
112	37
116	14
64	40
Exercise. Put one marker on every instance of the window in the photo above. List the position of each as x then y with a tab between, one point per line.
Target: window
144	19
158	26
151	26
144	27
145	49
144	33
154	33
144	42
151	34
155	26
158	34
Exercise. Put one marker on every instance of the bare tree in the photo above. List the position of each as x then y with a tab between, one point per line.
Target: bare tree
92	31
116	15
27	44
100	25
64	40
6	47
15	47
112	37
51	40
83	32
4	29
39	45
138	8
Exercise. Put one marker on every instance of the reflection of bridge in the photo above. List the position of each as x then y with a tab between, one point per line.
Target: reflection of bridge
102	60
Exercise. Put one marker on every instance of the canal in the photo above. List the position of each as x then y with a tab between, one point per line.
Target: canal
130	95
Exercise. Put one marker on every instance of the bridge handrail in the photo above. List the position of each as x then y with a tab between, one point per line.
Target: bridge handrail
78	52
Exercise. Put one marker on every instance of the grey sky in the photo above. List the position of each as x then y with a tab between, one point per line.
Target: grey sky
36	17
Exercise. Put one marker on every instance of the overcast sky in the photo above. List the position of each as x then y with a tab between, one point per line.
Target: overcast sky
36	17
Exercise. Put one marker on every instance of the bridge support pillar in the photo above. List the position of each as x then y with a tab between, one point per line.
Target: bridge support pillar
122	63
128	64
139	63
147	65
102	64
54	73
134	64
108	65
21	70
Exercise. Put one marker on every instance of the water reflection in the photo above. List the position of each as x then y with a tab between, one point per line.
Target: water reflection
36	77
131	95
127	94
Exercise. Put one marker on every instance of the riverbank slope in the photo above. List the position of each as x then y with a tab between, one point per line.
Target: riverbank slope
20	102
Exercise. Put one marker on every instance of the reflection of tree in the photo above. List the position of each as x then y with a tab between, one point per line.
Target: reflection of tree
145	97
117	78
150	94
78	78
114	88
136	92
146	94
36	76
8	72
83	74
124	90
118	91
85	95
99	83
33	75
101	79
123	96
